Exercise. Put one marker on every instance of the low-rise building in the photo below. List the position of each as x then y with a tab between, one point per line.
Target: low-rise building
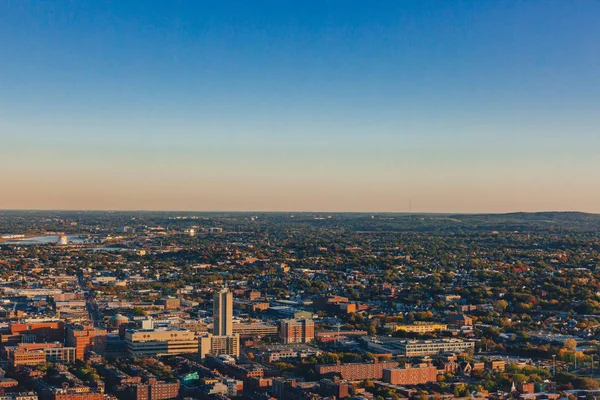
357	371
219	345
417	348
459	320
419	327
254	329
153	389
160	342
38	353
274	353
19	396
410	375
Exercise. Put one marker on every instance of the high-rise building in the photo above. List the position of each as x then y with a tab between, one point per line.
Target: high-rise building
223	313
85	339
297	330
223	341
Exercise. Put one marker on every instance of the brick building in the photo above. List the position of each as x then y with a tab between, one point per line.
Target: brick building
297	330
170	303
357	371
151	390
459	320
38	353
410	375
85	339
34	332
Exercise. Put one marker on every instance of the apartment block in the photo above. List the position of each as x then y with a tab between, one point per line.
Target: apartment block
297	330
357	371
219	345
410	375
86	339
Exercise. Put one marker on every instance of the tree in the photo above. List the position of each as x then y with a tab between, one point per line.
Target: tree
372	330
519	378
460	390
570	344
501	305
138	312
369	356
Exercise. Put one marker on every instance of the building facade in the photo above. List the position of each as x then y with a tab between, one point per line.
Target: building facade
255	329
410	375
418	348
85	339
160	342
219	345
297	330
357	371
421	328
223	313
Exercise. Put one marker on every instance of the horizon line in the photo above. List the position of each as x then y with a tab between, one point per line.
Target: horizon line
299	212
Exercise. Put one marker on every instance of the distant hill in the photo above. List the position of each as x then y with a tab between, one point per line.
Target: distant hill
576	221
456	223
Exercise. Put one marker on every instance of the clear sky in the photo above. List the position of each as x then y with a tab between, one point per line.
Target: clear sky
461	106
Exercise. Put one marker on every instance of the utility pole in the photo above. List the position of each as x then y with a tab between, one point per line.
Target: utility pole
553	364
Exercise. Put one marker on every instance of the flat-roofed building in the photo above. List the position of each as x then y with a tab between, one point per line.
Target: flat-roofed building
223	313
219	345
276	352
496	365
297	330
86	338
417	348
194	325
420	328
27	357
19	396
254	329
33	332
459	320
410	375
160	342
357	371
39	353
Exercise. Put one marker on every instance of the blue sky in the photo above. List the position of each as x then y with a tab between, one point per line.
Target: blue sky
466	106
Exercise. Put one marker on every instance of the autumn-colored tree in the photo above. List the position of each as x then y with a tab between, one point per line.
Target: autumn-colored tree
570	344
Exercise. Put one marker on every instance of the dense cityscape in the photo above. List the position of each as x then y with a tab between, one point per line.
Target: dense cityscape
148	305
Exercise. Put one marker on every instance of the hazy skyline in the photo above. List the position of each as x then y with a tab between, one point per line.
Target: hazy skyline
461	106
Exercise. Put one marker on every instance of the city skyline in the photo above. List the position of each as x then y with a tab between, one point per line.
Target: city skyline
469	107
